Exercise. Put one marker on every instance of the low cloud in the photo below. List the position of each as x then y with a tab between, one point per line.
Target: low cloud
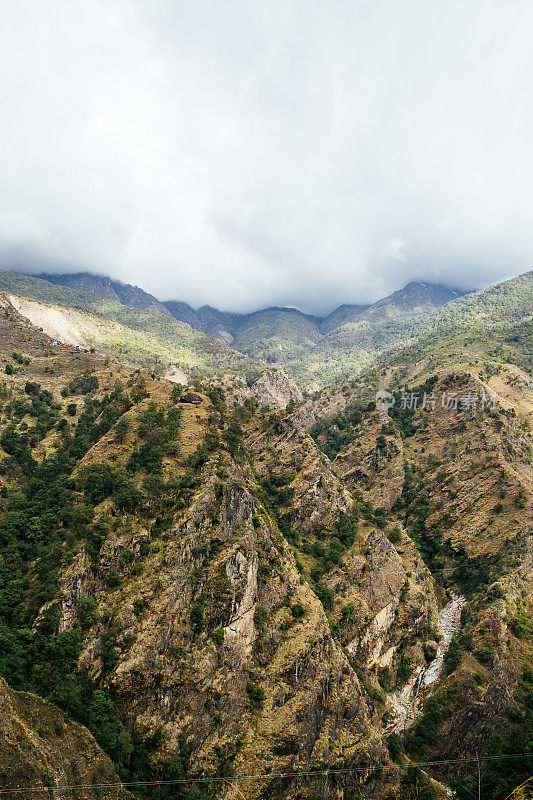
295	153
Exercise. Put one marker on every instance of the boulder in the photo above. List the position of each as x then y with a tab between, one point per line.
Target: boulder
190	397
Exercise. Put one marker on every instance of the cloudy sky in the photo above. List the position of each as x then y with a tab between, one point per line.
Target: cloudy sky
242	154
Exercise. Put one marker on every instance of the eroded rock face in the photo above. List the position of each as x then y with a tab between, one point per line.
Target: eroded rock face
75	583
388	598
217	655
317	495
374	464
40	747
220	638
274	388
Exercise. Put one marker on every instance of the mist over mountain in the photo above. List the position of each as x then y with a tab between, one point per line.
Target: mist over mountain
102	285
331	161
230	327
314	350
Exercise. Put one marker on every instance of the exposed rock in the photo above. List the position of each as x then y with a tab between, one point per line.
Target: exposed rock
190	397
474	462
313	709
318	496
374	463
384	606
176	375
275	388
208	624
74	584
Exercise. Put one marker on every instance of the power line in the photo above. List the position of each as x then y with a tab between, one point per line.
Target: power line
324	772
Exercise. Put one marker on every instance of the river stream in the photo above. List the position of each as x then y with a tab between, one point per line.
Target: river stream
405	703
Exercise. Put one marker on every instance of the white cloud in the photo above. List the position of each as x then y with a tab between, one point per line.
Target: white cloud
395	248
242	154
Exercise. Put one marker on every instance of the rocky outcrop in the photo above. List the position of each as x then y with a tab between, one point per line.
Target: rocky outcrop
210	649
374	463
317	496
176	375
190	397
253	609
385	597
274	388
75	583
474	463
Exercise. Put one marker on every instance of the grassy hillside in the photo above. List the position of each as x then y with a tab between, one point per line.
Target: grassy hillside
421	319
140	335
340	316
354	335
318	351
101	285
495	322
277	335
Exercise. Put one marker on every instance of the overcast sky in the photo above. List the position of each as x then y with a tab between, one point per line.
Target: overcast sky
243	153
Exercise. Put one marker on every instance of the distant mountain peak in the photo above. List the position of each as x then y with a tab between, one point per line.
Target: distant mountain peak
103	285
431	285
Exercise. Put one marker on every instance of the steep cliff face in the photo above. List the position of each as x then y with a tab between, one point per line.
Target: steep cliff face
386	598
41	748
219	643
374	463
204	626
308	490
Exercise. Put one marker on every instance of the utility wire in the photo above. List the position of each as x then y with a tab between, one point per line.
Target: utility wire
324	772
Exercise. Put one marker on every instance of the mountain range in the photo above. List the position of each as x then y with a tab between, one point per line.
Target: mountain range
236	579
314	351
230	580
238	329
